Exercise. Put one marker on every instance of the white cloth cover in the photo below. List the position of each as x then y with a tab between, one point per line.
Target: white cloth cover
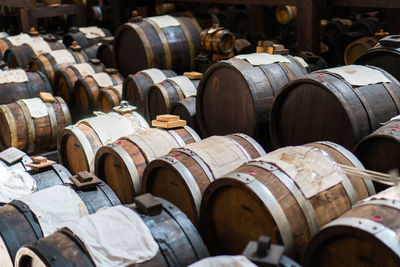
13	76
358	75
302	61
15	184
102	79
257	59
92	32
155	74
20	39
164	21
37	108
84	69
62	57
115	236
55	206
224	261
40	46
186	85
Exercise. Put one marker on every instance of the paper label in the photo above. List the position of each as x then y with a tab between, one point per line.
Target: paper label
84	69
13	76
186	85
360	75
20	39
156	75
257	59
221	154
164	21
92	32
302	61
40	46
62	57
37	108
102	79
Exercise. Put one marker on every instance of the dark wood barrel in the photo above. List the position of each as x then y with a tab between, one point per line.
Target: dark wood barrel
30	130
136	86
267	197
366	235
109	98
91	51
186	110
65	79
341	112
10	41
184	248
143	44
121	164
217	40
76	35
162	96
355	49
13	91
49	63
105	53
78	144
182	176
243	102
20	226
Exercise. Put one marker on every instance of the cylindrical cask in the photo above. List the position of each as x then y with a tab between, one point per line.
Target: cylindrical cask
91	51
18	84
186	110
345	104
105	53
286	14
182	176
163	42
78	144
136	86
168	238
236	95
217	40
65	79
366	235
163	95
355	49
121	164
32	125
17	40
85	36
287	195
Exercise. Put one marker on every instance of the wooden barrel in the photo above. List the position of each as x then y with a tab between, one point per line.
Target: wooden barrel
357	48
16	40
163	95
286	14
91	51
49	63
85	36
32	125
366	235
184	248
183	174
65	79
274	196
217	40
19	225
18	84
186	110
136	86
78	144
313	61
351	109
243	102
105	52
161	42
121	164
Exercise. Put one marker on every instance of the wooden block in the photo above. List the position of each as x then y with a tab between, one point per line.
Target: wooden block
41	165
168	124
216	57
193	75
47	97
167	117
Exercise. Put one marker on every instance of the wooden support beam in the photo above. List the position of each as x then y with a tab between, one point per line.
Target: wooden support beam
365	3
308	26
246	2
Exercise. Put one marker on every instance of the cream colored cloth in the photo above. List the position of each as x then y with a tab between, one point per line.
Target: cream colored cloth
15	184
37	108
164	21
186	85
13	76
257	59
155	75
224	261
358	75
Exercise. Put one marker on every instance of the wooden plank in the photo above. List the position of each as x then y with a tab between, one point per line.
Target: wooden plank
308	26
16	3
47	12
366	3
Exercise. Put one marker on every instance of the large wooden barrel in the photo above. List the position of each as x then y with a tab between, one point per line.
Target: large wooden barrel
186	110
121	164
355	49
136	86
217	40
18	84
242	102
366	235
65	79
162	42
16	40
91	51
178	241
277	196
163	95
78	144
33	125
182	176
345	104
105	53
85	36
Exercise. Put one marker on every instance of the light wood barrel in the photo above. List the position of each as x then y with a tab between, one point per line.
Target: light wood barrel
366	235
186	110
121	164
267	197
286	14
355	49
75	34
78	144
38	131
10	41
105	53
217	40
182	176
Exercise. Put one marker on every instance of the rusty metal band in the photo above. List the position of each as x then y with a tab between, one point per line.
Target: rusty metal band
253	142
53	122
164	42
208	43
189	39
165	95
11	124
195	24
392	95
178	91
65	110
287	71
217	41
30	124
146	44
193	133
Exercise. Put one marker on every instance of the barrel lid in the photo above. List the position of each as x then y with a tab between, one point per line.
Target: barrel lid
50	38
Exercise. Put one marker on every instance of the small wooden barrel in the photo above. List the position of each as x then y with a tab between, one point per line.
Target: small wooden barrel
366	235
286	14
105	53
13	91
121	164
355	49
10	41
271	196
186	110
162	96
49	63
78	144
81	37
65	79
236	96
184	248
217	40
136	86
183	174
33	125
163	42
